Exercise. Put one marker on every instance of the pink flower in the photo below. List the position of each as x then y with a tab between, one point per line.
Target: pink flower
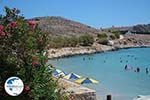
32	23
1	28
2	33
26	88
12	24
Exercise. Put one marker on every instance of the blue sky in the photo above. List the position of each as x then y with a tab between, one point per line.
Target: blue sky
96	13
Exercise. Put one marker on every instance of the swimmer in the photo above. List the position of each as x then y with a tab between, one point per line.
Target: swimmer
138	69
125	67
147	70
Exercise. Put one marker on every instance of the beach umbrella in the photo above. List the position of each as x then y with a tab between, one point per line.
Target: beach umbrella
58	72
86	81
72	76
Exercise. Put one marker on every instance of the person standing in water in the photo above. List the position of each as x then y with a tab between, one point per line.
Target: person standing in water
138	69
147	70
125	67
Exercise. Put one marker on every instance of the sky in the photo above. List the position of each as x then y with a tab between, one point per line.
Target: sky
96	13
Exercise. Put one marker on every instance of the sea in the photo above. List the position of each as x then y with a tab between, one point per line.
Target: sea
109	69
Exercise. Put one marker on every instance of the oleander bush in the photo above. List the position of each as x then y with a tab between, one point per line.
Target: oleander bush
23	53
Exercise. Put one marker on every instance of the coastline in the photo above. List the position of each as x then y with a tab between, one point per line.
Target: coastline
76	91
95	48
129	41
69	51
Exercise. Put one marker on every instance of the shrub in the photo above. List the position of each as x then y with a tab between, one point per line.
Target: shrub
112	36
22	54
117	34
102	35
86	40
63	41
103	41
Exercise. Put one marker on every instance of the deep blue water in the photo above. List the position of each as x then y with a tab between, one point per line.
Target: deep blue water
108	69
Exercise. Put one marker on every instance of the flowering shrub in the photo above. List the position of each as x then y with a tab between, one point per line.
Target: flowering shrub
22	45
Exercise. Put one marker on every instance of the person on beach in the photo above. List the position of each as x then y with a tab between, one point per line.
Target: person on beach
147	70
138	69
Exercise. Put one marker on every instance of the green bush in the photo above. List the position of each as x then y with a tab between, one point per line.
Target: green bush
63	41
112	36
117	34
102	35
73	41
103	41
86	40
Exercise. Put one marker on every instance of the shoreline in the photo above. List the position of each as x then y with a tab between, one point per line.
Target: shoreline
82	51
95	48
129	41
77	91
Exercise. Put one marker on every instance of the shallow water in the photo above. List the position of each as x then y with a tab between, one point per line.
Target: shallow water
108	69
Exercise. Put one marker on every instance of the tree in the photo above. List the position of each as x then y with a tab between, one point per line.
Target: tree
23	53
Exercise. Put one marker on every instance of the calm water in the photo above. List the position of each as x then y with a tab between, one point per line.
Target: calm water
108	69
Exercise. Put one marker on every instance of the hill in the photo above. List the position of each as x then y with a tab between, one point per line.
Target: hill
63	26
141	29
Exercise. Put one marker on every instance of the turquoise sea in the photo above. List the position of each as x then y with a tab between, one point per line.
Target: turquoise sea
108	69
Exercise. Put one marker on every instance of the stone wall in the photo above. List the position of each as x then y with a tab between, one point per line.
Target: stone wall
77	91
83	96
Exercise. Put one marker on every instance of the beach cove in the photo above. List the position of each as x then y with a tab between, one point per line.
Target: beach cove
128	41
108	68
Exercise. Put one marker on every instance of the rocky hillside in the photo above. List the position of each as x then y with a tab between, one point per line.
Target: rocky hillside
145	28
63	26
141	28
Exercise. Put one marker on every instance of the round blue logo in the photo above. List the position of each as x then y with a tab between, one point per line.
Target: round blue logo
14	86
